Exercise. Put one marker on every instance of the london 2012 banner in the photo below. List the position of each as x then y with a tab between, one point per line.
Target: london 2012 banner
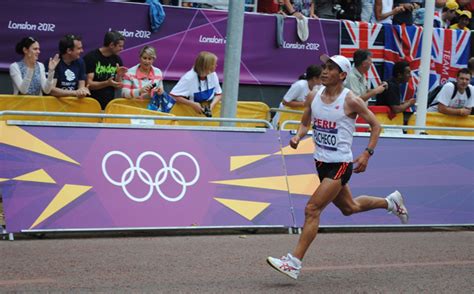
79	178
95	178
184	33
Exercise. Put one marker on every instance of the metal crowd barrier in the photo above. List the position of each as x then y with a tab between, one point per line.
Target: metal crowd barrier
129	116
294	122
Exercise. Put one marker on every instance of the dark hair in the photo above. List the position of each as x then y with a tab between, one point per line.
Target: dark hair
360	56
470	64
311	72
24	43
67	42
464	71
113	37
399	68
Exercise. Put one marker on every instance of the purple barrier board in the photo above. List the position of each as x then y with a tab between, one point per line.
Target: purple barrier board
181	37
56	178
435	176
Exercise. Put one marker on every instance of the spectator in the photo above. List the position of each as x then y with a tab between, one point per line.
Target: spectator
70	74
143	80
464	18
470	66
455	98
350	10
269	6
392	97
367	10
28	75
356	80
405	16
326	8
296	95
105	69
447	15
384	11
299	7
200	85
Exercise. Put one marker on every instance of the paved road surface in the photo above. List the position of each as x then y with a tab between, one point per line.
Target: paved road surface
395	262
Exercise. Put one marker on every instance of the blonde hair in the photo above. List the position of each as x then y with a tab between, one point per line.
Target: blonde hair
204	63
148	50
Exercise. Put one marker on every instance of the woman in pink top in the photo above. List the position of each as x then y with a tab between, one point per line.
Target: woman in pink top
143	80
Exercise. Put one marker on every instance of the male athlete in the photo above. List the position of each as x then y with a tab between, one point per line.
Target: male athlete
332	112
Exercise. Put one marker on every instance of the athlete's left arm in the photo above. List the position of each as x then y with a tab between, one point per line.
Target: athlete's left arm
357	106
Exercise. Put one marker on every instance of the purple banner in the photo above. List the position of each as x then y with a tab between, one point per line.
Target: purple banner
90	178
434	176
182	36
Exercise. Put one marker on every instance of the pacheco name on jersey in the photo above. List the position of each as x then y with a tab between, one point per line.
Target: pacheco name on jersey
325	134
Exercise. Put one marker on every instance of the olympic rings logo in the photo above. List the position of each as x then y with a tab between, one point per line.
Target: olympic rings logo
129	174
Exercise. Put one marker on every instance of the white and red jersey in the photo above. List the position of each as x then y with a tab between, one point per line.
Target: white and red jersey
332	129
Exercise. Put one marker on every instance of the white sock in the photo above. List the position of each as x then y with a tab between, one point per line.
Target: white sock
389	204
295	260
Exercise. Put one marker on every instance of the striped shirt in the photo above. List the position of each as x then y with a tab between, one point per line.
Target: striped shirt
134	80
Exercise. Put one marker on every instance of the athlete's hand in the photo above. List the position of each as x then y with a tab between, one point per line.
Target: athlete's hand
294	142
361	163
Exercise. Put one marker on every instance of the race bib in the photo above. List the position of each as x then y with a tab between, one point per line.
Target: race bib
325	137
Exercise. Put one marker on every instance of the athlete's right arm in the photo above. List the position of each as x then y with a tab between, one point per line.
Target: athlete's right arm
305	121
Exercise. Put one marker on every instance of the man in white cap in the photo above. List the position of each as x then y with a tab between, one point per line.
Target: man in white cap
332	112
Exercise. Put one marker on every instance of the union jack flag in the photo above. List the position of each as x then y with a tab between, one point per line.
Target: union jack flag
449	53
403	43
362	35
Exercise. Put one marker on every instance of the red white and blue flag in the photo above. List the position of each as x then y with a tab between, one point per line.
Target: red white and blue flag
449	53
362	35
403	43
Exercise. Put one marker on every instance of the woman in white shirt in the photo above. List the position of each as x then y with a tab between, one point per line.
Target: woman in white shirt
296	95
199	87
28	75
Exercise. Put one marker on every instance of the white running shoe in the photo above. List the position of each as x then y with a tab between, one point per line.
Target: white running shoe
399	208
287	265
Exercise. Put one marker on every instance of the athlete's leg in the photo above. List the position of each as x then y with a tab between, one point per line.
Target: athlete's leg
348	206
326	192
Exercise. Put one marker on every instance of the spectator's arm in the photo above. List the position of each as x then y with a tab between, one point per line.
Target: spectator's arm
217	99
183	100
293	103
289	7
46	84
381	16
58	92
403	106
81	91
95	85
373	92
453	111
21	84
127	90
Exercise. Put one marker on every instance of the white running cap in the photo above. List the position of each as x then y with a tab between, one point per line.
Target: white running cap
343	63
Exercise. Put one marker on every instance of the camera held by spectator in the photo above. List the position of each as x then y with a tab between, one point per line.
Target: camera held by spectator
338	11
207	111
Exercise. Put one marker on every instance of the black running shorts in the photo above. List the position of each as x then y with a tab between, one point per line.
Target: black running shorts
334	170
